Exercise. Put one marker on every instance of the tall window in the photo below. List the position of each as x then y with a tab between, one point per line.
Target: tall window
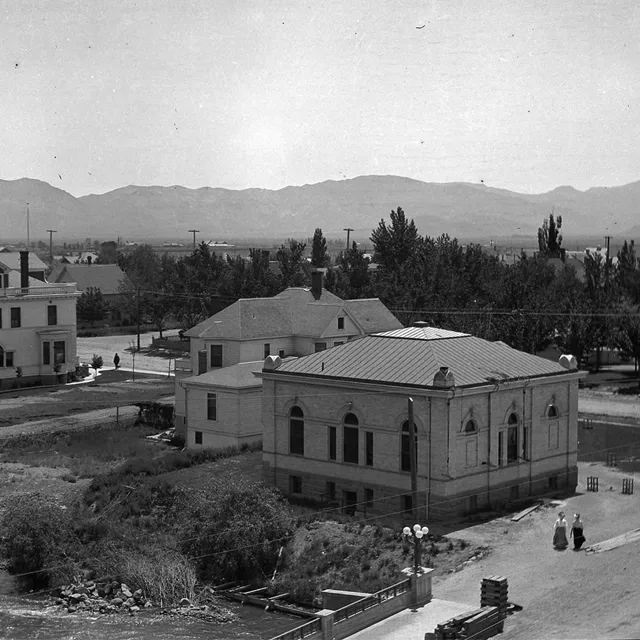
267	350
512	438
296	431
332	443
368	457
216	356
46	353
212	406
340	323
552	415
8	359
59	355
52	314
16	320
405	451
500	448
198	437
1	357
350	438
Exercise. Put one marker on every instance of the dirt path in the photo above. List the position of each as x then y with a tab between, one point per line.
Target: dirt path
564	594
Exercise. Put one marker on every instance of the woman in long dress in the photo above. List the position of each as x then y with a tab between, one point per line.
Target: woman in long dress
560	533
577	529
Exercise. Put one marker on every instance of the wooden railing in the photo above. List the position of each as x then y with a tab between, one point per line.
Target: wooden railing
45	290
372	601
301	632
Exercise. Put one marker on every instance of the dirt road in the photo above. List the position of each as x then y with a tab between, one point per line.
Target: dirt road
565	594
108	346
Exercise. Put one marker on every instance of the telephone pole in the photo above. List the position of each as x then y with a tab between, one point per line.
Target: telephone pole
194	231
606	264
51	232
348	230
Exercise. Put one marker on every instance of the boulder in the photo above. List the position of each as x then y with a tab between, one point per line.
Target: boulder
117	602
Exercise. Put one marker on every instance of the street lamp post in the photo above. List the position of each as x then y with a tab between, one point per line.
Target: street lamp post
132	344
415	535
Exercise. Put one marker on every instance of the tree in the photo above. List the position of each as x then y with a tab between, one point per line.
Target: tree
627	338
291	259
91	306
354	276
549	238
108	253
394	244
96	363
628	273
319	256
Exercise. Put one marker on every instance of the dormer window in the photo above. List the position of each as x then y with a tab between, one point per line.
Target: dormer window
340	323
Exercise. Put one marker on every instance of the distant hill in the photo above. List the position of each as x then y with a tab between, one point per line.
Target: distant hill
460	209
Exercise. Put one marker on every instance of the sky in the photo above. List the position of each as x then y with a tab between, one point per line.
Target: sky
522	95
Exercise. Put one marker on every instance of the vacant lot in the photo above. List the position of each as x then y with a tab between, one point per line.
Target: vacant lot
111	389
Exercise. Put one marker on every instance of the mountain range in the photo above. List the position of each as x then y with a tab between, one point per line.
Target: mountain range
460	209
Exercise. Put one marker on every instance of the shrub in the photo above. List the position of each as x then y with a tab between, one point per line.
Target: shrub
36	535
234	529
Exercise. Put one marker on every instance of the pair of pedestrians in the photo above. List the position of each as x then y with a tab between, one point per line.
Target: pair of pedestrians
560	540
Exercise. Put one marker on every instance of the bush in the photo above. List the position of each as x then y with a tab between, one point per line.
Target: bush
234	530
36	536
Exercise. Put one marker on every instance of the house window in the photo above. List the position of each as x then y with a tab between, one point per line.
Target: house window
472	503
320	346
296	431
553	482
350	499
1	357
59	356
500	448
330	490
281	353
15	317
46	353
212	406
368	458
52	315
216	356
350	438
405	451
5	280
471	427
295	484
407	503
368	498
198	437
552	411
332	443
340	323
512	439
8	359
267	350
337	344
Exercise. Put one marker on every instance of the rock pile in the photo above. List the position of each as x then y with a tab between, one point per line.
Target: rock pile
102	597
211	612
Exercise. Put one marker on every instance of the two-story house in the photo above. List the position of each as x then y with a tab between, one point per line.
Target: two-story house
37	326
492	423
296	322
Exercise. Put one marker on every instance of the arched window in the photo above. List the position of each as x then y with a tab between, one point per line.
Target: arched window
405	444
552	411
471	427
296	431
512	438
350	438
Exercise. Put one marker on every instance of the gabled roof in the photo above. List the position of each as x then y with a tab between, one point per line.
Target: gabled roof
237	376
106	277
293	312
413	356
12	260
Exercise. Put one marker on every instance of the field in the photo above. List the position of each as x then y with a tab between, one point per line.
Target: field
111	389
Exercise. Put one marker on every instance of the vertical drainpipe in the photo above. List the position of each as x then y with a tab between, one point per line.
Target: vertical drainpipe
428	506
489	454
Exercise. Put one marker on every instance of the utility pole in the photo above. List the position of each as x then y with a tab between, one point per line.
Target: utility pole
414	461
138	314
348	230
51	232
606	264
194	231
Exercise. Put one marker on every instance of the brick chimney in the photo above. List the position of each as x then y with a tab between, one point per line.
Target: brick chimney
24	269
316	283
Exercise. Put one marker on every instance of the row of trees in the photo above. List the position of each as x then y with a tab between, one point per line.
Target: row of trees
531	304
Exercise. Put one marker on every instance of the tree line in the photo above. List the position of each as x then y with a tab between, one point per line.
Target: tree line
534	303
